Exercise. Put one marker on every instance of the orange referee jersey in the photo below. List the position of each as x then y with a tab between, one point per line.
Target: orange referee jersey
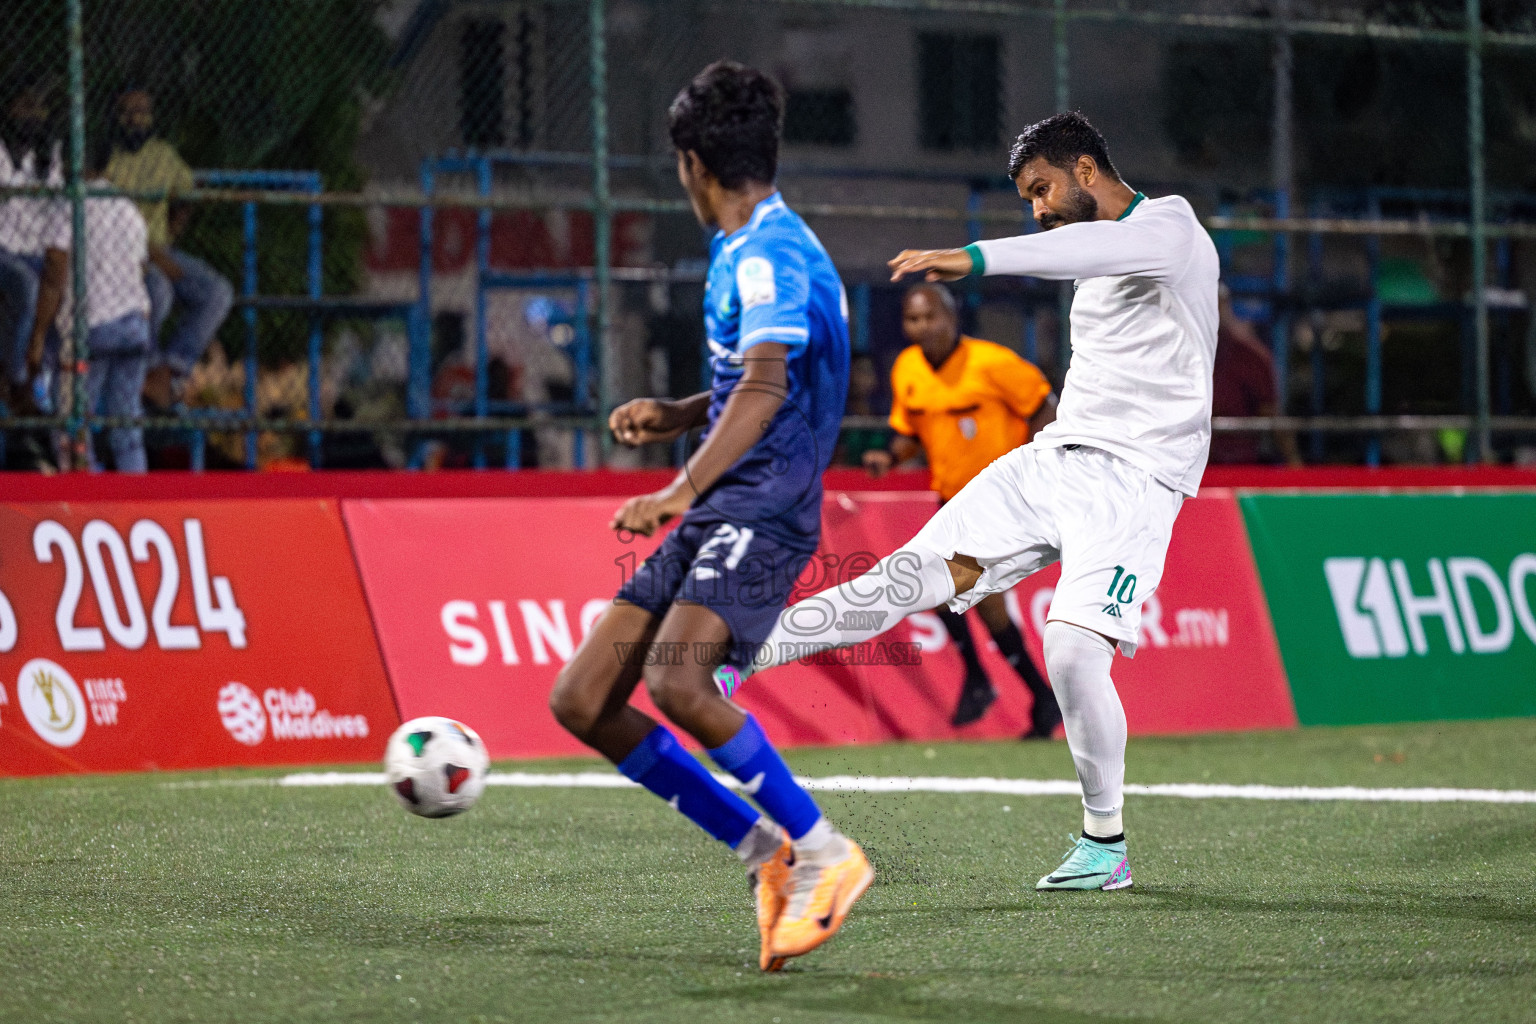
967	412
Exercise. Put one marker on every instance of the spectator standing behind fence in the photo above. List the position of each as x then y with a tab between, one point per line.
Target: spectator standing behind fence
117	342
143	162
863	388
1245	385
29	156
967	402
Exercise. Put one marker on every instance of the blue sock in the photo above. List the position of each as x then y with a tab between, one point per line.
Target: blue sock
751	758
661	765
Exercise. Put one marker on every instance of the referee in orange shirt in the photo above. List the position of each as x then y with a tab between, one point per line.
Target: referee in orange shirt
966	402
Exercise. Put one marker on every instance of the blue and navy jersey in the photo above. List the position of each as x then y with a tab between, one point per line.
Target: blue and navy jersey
772	281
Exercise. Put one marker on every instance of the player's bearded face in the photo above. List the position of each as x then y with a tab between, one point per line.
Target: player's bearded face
1078	206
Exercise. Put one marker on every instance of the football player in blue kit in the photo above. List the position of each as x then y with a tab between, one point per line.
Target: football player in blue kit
750	505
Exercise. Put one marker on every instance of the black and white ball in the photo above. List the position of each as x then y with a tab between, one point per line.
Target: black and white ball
436	766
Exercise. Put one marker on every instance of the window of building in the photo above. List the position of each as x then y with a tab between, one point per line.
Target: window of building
819	117
482	82
500	79
960	90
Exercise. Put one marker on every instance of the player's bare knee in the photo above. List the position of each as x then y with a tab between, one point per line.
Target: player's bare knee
673	692
576	713
663	688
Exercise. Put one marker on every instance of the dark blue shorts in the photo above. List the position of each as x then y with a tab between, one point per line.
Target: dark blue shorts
740	575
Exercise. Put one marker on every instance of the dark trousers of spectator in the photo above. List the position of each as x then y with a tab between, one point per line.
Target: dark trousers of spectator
19	276
114	386
205	298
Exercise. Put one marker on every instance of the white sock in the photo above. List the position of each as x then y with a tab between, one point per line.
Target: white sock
1078	661
822	843
907	580
1102	824
762	841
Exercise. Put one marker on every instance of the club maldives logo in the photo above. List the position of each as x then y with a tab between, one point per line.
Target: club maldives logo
51	702
242	714
291	714
1382	614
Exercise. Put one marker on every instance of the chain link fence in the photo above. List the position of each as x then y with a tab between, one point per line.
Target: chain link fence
367	233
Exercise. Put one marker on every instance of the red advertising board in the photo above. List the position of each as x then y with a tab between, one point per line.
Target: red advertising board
479	603
179	634
1207	659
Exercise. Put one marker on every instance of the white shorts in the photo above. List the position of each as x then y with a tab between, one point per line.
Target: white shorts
1106	521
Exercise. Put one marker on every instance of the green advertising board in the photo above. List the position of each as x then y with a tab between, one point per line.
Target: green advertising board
1401	607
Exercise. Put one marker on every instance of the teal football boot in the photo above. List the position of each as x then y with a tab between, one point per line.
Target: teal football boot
1091	865
729	679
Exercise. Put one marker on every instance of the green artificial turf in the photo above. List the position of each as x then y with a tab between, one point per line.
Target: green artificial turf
219	896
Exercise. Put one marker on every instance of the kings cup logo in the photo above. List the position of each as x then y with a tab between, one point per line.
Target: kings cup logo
241	712
51	702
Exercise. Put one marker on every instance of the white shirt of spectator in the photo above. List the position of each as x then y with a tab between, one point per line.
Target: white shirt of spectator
116	246
23	219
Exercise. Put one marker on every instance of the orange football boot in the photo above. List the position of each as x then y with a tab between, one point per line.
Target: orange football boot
769	881
817	899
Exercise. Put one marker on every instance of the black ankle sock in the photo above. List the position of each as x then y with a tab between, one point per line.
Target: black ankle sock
1118	837
1010	642
960	632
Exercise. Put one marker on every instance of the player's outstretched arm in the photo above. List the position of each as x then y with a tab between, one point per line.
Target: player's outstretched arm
933	264
649	420
1157	247
753	402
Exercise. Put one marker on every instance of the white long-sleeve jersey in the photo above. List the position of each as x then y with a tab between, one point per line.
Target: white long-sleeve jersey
1143	333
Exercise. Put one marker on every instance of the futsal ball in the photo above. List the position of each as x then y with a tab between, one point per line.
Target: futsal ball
436	766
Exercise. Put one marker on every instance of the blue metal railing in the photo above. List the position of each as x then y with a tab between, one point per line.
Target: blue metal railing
313	303
1271	294
285	181
482	167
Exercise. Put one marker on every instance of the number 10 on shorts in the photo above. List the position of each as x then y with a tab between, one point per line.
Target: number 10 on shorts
1122	589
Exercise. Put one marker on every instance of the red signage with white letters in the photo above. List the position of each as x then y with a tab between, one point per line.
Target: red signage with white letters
1207	659
169	634
195	634
479	603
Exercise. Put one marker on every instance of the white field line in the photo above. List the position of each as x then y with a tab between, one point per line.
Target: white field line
1009	787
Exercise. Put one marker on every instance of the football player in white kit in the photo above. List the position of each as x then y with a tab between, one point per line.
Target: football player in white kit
1097	490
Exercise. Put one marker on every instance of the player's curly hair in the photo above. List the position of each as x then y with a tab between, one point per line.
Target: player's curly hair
730	115
1059	140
